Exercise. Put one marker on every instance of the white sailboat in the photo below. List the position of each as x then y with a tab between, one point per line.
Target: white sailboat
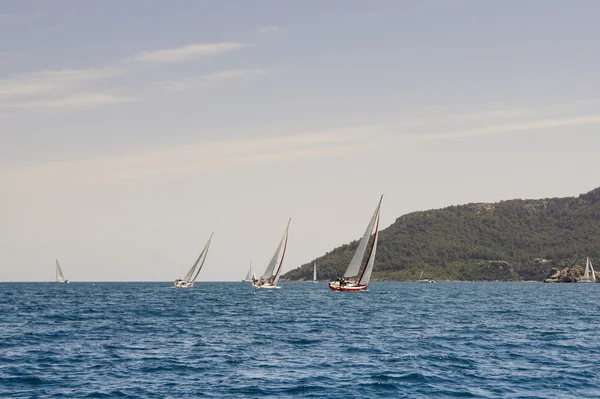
589	276
190	277
315	272
424	280
352	279
271	275
60	277
250	276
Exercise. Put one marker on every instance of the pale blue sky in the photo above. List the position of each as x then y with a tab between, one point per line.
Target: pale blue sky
130	130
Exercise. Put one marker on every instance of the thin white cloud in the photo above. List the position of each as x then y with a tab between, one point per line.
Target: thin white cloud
508	128
265	30
46	82
185	53
58	88
85	100
201	157
205	81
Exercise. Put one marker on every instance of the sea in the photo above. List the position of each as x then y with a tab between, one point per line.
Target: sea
230	340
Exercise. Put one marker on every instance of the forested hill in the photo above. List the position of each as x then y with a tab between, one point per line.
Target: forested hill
506	241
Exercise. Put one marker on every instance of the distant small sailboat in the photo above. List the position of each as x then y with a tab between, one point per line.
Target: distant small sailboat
315	272
60	277
271	275
589	276
190	277
352	280
250	276
424	280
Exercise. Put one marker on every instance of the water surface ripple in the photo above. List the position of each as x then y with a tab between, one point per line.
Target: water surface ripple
228	340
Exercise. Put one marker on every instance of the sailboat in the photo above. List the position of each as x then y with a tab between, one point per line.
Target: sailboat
60	278
271	275
250	276
352	280
424	280
589	276
315	272
190	277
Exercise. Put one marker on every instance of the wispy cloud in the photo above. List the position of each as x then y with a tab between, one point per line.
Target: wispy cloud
201	157
179	54
496	127
45	82
59	88
265	30
206	81
85	100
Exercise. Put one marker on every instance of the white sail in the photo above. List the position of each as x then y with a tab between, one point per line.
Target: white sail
366	274
315	271
355	263
250	273
592	272
586	273
278	271
271	267
60	278
191	276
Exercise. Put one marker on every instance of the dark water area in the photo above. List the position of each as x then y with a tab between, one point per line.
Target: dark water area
229	340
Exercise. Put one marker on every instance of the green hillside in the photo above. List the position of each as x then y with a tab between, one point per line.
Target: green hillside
506	241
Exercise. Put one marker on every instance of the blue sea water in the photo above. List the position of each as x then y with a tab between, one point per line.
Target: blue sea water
228	340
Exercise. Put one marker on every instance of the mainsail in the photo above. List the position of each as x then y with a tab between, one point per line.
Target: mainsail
588	274
191	276
250	273
271	267
366	274
60	278
355	263
315	271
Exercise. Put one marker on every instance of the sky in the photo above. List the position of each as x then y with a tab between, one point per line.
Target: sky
130	131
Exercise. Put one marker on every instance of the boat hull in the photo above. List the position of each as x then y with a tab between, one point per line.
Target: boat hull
265	286
183	284
337	287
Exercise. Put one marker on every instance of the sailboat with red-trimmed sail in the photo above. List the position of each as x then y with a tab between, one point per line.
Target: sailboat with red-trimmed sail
271	275
354	278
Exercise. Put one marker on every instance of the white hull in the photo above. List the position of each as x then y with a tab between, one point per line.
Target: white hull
183	284
266	286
